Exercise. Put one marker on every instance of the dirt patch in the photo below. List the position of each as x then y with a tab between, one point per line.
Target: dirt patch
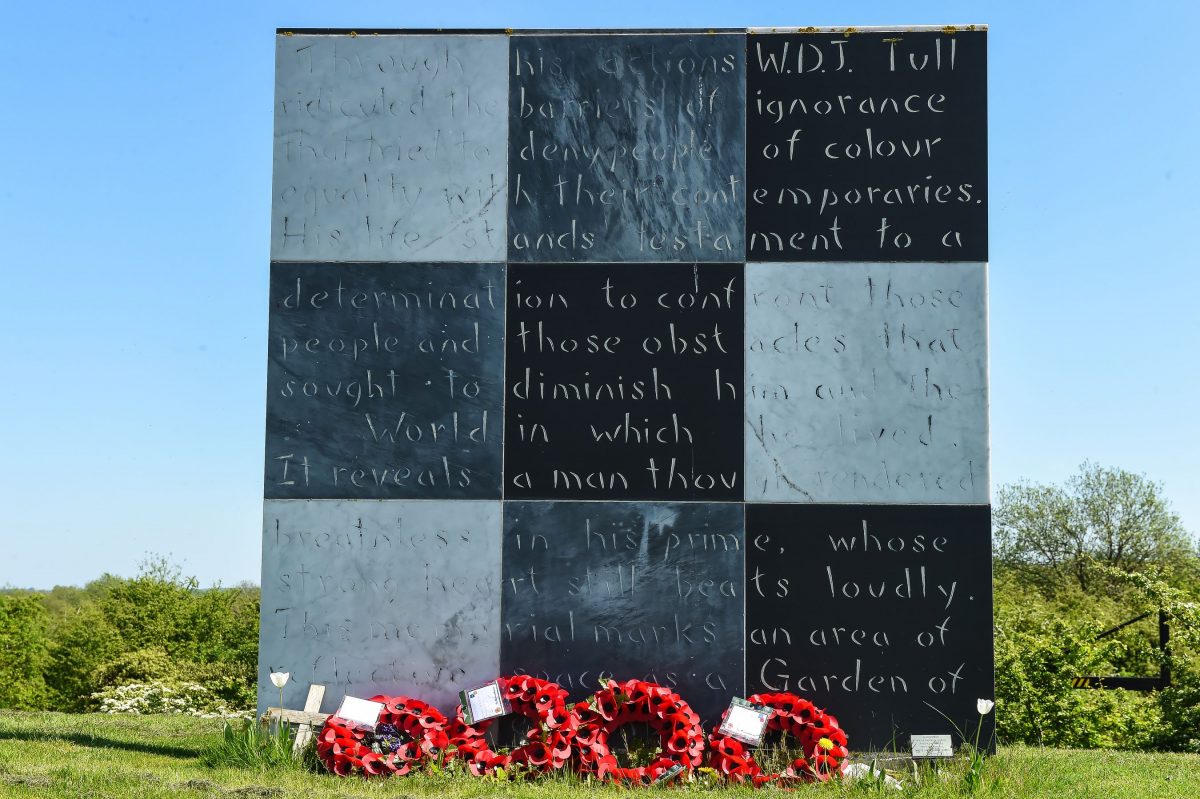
197	785
27	781
256	790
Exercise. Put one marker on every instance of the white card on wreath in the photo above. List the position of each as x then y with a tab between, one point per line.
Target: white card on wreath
745	722
359	711
483	703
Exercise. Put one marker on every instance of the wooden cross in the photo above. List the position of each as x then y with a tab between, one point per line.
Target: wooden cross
305	718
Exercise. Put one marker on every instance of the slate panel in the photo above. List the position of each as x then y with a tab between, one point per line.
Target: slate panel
627	148
390	148
866	383
624	382
646	590
367	596
867	146
880	614
385	381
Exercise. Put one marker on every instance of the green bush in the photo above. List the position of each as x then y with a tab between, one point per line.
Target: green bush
1180	702
81	642
140	665
1038	651
234	683
161	607
160	697
23	654
231	683
1076	560
156	627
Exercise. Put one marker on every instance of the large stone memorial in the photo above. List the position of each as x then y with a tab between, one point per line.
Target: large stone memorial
653	354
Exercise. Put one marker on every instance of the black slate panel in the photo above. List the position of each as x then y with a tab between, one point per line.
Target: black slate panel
385	381
867	147
826	583
624	382
627	148
646	590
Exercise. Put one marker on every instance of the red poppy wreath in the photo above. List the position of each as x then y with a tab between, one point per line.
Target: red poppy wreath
548	743
633	701
408	731
822	743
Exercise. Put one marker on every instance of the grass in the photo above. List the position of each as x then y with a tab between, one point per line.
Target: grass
53	755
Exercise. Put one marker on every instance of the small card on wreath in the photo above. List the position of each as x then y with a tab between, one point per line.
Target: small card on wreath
931	746
745	722
360	712
483	703
671	773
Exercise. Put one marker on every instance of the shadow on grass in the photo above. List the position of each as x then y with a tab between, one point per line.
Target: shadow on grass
100	742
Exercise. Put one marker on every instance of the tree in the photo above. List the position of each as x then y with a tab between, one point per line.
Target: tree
158	625
1051	534
22	651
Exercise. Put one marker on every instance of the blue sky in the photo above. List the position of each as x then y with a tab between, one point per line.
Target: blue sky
134	224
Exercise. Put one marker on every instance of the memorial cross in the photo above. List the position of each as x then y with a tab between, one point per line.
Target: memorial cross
304	718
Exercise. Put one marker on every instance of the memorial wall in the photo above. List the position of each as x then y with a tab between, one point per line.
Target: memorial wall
634	354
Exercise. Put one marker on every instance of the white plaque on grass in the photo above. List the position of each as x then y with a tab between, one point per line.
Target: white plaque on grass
931	746
483	703
745	722
360	711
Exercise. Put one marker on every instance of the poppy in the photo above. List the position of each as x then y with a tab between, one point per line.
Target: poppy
727	746
537	754
606	705
544	697
638	692
678	742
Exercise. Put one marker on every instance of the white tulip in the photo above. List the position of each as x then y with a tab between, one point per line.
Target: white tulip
984	706
280	678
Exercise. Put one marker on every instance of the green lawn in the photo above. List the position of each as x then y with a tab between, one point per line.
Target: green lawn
57	755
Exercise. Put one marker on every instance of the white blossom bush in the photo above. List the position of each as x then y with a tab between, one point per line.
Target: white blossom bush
161	697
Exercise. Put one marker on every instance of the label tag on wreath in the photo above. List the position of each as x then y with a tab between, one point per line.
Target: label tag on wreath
483	703
671	773
361	712
745	722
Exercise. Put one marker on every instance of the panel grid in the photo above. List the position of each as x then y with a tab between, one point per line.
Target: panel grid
658	354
